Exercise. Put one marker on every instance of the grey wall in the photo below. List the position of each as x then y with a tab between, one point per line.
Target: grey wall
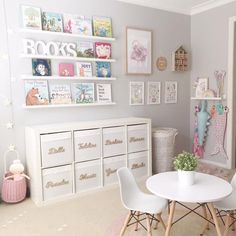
209	43
170	30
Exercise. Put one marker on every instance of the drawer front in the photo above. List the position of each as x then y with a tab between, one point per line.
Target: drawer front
137	138
87	145
57	182
87	175
138	163
113	141
56	149
111	165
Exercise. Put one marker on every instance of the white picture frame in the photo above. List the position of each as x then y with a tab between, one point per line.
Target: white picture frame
103	93
171	91
201	87
153	92
136	93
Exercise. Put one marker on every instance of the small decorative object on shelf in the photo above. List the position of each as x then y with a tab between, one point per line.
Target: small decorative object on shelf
209	93
220	75
104	93
84	69
161	63
41	67
52	22
185	163
103	69
102	26
201	86
82	92
66	69
180	60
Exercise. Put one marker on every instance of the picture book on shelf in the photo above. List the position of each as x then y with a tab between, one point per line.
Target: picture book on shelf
31	17
41	67
85	49
36	92
52	22
102	50
104	93
102	26
68	23
84	69
66	69
60	94
82	92
103	69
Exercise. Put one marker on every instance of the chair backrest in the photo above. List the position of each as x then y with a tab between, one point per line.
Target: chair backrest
233	181
128	187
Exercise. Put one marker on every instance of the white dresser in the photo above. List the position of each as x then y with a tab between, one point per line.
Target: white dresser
67	159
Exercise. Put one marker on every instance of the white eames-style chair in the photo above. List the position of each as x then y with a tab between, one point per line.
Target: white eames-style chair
227	207
138	203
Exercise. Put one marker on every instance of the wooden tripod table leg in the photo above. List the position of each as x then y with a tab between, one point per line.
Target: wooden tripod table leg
206	226
213	212
170	219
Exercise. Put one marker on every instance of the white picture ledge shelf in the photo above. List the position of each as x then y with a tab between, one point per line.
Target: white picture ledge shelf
65	58
68	105
31	77
61	34
207	98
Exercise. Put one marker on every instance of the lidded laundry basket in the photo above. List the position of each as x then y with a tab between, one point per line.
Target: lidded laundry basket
13	190
163	143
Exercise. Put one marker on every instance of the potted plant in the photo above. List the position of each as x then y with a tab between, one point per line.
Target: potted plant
185	163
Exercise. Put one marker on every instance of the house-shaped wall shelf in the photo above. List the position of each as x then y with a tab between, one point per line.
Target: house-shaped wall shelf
180	60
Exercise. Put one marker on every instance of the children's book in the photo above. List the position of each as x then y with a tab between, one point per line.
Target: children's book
66	69
103	69
102	26
36	92
60	94
82	92
84	69
52	22
85	49
68	23
31	17
104	93
102	50
41	67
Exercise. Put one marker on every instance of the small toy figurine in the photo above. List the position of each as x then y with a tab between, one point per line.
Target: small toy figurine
17	169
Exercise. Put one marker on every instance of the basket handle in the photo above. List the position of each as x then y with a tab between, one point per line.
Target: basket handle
10	149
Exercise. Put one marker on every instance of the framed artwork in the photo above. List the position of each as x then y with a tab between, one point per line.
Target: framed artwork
136	93
171	92
154	93
201	87
138	51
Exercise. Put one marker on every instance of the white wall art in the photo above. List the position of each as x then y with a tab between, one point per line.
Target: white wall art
154	93
171	92
136	93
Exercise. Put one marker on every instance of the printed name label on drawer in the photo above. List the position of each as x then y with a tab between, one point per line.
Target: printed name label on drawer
86	145
51	184
112	142
54	150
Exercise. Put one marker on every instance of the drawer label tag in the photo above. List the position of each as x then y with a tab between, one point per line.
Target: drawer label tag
56	150
136	139
87	176
51	184
110	171
136	165
112	142
87	145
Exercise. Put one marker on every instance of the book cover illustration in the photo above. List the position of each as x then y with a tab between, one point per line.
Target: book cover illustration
84	69
102	50
68	23
85	49
52	22
103	69
36	92
82	26
66	69
102	26
104	93
60	94
83	92
41	67
31	17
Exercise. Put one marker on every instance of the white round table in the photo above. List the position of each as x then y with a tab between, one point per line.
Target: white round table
206	189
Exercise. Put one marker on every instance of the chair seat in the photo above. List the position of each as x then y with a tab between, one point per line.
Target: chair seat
147	203
228	203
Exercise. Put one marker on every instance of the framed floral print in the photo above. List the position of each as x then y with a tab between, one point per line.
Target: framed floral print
138	51
136	93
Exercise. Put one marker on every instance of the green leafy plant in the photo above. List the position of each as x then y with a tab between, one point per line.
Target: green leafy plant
185	161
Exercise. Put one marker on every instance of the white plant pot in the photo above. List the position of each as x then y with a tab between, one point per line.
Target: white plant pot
186	178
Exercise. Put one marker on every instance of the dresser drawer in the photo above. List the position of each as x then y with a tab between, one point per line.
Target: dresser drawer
87	144
56	149
113	141
57	182
111	165
137	138
87	175
138	163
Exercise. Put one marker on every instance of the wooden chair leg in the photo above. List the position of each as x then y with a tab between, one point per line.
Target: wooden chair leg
149	230
125	224
206	226
227	223
161	220
136	225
